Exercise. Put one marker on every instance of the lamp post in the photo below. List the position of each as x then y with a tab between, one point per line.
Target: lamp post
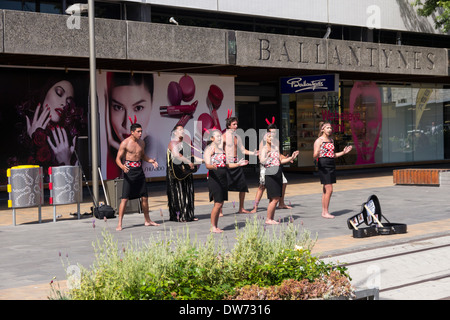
93	100
75	11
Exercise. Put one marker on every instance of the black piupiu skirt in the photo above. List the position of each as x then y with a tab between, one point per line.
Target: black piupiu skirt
327	170
274	181
218	184
134	185
236	180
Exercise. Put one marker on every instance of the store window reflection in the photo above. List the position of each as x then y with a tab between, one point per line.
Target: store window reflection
366	121
385	122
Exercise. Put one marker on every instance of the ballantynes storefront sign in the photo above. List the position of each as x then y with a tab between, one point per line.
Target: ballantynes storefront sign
272	50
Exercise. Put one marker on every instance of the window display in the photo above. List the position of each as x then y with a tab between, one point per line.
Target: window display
384	122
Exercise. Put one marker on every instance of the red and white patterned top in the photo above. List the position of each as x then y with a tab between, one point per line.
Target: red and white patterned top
273	159
219	159
326	150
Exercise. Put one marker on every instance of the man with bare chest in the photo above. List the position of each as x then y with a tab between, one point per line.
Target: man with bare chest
131	150
236	178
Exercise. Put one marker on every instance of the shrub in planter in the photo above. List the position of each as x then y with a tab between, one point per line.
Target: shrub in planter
176	267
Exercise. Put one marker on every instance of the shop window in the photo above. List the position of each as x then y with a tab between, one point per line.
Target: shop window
385	123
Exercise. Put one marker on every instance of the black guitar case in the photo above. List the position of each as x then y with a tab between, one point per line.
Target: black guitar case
354	223
373	228
388	228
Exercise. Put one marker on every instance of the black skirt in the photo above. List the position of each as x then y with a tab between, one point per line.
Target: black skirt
236	180
274	181
218	185
180	195
327	170
134	185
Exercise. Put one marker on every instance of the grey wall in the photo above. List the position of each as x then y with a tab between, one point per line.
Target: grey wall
52	35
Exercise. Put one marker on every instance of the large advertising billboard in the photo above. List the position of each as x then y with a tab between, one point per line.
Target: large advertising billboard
159	102
44	115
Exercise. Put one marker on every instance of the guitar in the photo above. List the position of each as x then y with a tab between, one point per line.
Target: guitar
181	170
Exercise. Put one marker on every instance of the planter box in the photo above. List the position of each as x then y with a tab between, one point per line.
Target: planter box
419	176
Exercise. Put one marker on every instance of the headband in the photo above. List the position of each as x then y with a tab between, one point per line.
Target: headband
268	122
229	112
131	121
213	128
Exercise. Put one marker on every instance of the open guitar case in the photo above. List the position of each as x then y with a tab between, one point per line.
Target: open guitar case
373	220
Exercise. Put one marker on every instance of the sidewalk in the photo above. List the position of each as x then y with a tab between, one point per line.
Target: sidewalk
31	251
298	185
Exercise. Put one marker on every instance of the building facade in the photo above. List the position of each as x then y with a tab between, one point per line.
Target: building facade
377	71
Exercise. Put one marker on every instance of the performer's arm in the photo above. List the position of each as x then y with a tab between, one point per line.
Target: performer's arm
207	159
346	150
241	147
240	163
285	160
146	158
317	144
150	160
179	158
263	155
120	154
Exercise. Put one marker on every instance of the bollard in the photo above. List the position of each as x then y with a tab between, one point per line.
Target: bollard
25	188
65	187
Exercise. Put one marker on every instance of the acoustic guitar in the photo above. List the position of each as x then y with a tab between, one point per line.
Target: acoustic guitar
182	170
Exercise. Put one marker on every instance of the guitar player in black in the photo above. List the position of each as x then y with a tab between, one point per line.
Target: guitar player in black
179	178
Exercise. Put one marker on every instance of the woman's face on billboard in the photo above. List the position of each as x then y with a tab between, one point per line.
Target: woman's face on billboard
57	97
127	102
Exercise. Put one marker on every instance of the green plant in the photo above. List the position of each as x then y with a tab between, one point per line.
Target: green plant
258	245
174	266
297	264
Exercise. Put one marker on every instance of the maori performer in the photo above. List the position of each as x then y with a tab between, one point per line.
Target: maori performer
324	152
215	161
271	159
180	181
271	127
232	142
134	185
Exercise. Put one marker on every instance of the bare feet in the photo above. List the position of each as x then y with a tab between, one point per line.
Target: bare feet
243	211
327	216
216	230
269	221
151	223
147	224
254	210
284	207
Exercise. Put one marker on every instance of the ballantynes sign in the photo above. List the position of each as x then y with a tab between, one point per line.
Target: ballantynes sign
314	83
272	50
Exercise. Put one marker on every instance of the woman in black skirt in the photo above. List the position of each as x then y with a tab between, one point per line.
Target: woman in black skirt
272	160
324	152
215	162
